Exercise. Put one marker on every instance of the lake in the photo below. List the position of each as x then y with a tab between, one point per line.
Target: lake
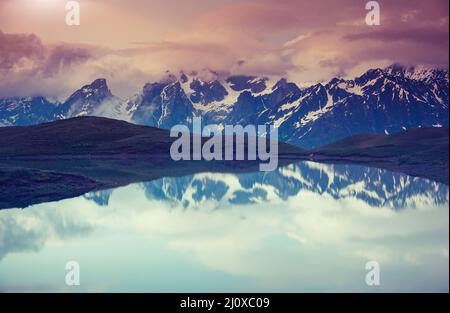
306	227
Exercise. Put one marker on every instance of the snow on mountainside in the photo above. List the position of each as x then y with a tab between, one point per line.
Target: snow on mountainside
379	101
93	100
162	104
26	111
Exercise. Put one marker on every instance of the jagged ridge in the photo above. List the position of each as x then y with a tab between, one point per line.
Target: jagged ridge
379	101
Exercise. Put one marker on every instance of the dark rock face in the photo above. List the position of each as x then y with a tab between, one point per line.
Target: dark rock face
245	109
251	83
162	104
207	92
283	92
184	78
175	107
148	104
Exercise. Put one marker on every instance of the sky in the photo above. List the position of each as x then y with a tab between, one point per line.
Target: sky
136	41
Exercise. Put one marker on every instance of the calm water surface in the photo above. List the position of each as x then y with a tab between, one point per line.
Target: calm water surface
305	227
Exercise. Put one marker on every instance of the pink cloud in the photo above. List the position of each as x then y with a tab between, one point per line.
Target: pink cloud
307	41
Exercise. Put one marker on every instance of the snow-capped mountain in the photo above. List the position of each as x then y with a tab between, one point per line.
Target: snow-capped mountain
375	187
94	99
26	111
379	101
162	104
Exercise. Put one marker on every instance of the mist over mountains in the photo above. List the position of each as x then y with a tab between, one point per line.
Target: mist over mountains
382	101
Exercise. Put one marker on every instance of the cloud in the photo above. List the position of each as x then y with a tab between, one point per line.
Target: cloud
29	232
15	48
62	58
29	67
26	52
434	36
307	41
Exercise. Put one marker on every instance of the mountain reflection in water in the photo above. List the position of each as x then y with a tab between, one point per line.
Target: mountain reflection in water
304	227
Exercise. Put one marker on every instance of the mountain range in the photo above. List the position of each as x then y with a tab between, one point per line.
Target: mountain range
381	101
